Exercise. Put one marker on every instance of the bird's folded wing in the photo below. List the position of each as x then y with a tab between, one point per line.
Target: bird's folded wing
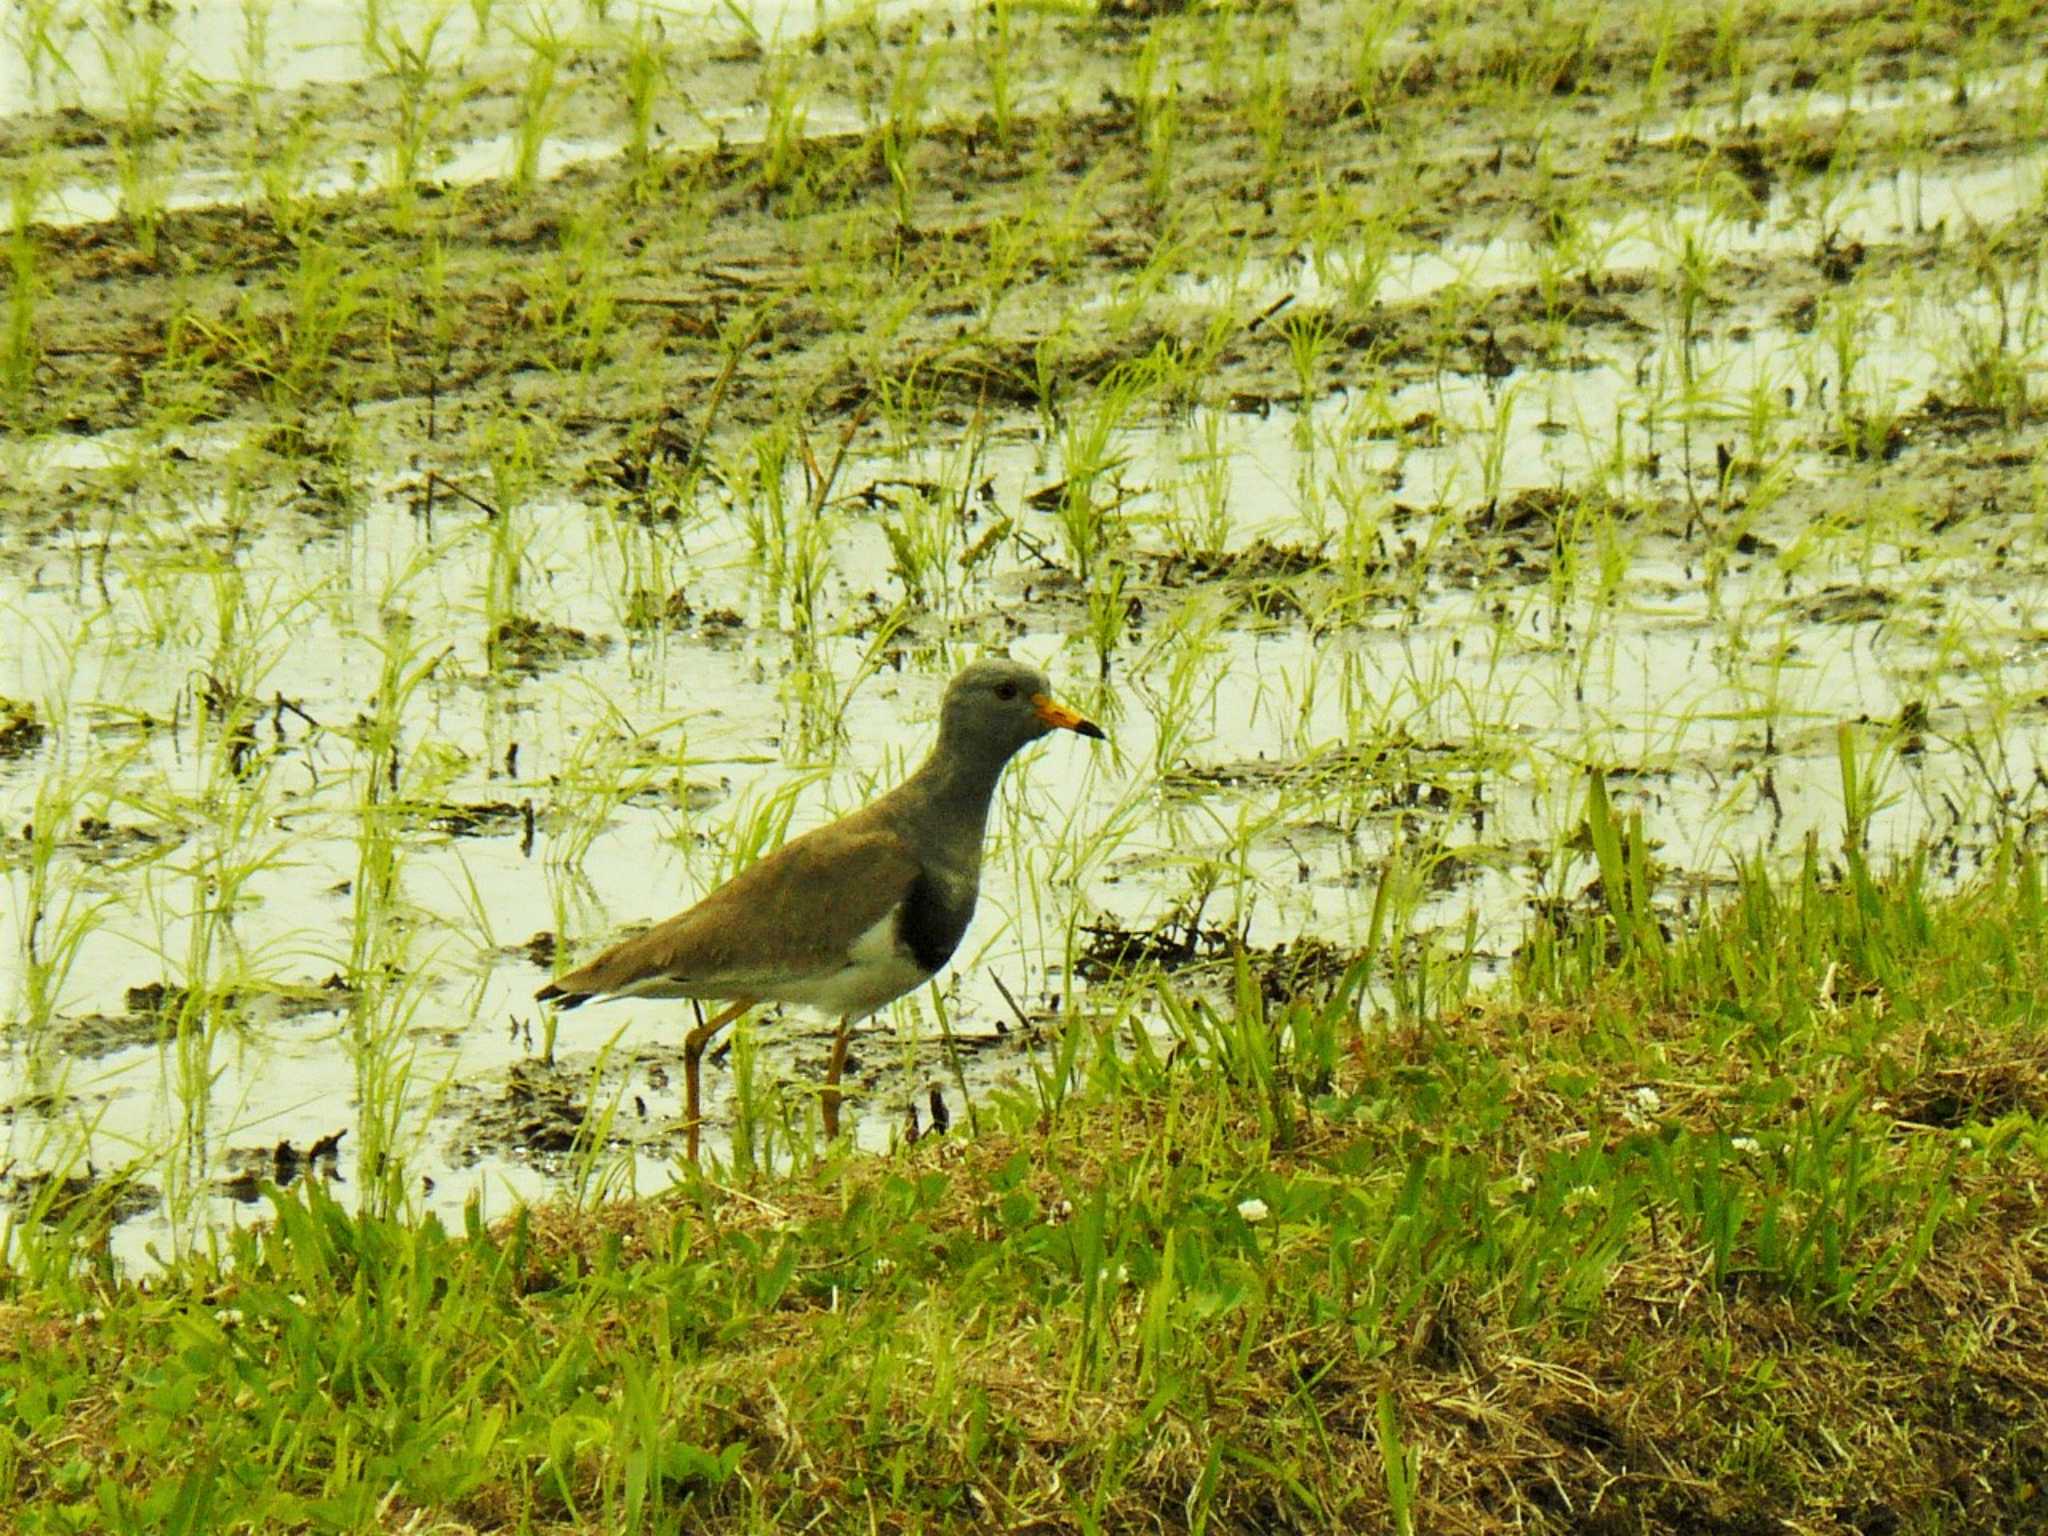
790	917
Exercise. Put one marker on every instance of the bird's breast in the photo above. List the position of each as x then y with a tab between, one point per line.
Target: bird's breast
879	969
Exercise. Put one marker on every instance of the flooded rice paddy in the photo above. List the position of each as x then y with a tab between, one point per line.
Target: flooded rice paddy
414	579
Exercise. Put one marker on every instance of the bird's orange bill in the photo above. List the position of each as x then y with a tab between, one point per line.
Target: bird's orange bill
1054	713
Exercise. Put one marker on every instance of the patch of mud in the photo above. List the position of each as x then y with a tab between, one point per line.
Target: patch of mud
490	818
95	840
253	1169
21	731
538	951
526	644
1974	1093
1386	768
110	1198
677	613
1264	580
1847	605
154	1009
936	1119
1184	946
540	1112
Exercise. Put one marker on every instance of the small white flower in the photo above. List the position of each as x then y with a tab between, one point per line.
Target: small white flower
1253	1210
229	1317
885	1266
1062	1211
1640	1106
1748	1146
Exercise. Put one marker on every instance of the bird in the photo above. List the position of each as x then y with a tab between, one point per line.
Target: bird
849	916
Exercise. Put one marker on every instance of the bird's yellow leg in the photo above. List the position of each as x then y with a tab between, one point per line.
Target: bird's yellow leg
830	1098
693	1057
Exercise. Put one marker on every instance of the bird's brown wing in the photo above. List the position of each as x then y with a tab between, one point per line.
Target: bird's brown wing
792	916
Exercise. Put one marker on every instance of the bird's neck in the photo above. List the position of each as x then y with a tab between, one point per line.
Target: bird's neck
961	784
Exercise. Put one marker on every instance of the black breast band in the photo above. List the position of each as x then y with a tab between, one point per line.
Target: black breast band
928	925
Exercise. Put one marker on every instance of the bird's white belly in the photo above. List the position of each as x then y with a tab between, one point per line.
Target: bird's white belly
878	970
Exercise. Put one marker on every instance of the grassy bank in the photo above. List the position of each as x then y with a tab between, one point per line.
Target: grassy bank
1729	1229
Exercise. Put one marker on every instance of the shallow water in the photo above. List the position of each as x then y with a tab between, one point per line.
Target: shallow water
287	45
1501	712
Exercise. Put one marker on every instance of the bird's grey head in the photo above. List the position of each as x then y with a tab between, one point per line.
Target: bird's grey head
994	707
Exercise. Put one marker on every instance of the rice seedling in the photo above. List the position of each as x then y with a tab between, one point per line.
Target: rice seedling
1090	496
578	293
37	34
422	107
1731	56
253	58
901	124
1267	99
541	91
1311	337
784	149
648	58
327	292
1995	350
56	913
24	291
995	48
137	57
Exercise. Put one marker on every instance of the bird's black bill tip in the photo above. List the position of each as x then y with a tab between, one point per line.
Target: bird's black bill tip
1061	718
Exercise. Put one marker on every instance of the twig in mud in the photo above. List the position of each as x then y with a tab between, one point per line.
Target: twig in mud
1268	312
284	706
1021	1019
939	1116
436	478
821	484
732	363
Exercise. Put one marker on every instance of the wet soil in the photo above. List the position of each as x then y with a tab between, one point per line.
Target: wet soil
706	252
154	1011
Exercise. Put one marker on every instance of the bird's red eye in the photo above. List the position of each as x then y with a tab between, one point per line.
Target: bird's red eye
1006	690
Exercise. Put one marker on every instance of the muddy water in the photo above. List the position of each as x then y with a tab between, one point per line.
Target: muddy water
1383	616
86	54
266	65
